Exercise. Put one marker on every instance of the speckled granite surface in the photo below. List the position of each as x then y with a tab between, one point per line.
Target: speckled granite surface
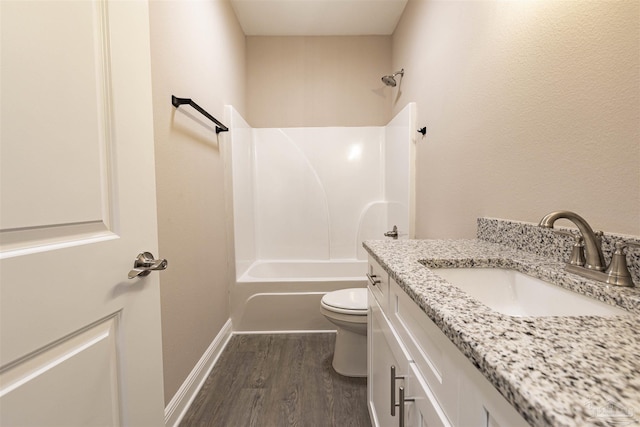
556	371
549	244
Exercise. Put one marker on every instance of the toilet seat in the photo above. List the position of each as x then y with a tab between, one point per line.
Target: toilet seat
346	301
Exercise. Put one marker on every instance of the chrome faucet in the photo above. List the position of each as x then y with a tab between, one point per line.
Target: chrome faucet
594	260
590	263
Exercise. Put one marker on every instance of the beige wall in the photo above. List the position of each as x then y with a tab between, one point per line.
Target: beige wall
531	107
197	51
318	81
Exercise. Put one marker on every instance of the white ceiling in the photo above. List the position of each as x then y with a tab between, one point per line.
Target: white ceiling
318	17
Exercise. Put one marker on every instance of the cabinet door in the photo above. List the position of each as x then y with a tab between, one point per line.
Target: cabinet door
428	348
384	353
421	407
481	404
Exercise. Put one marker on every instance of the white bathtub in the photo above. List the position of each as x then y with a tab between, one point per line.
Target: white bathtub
305	271
282	296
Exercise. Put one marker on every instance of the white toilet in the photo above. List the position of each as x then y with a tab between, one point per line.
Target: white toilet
347	309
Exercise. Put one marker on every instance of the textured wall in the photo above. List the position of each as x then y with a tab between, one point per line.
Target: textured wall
197	51
318	81
531	107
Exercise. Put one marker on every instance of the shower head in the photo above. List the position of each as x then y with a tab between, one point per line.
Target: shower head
390	80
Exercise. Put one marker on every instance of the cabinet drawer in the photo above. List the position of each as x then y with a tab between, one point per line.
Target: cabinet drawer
428	347
378	283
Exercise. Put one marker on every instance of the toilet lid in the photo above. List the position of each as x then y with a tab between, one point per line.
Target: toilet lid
347	299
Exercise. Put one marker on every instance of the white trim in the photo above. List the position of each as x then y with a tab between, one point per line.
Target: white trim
187	392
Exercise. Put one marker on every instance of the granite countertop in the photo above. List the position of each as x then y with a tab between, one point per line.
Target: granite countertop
556	371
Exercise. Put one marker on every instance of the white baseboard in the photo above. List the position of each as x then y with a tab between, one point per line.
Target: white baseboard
183	398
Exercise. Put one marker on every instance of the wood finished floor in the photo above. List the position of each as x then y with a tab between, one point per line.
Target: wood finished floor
279	380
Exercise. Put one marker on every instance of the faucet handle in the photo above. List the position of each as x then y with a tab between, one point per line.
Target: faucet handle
621	245
393	233
577	252
618	270
626	244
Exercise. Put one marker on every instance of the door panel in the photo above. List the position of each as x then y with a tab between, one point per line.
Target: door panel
80	343
89	358
43	69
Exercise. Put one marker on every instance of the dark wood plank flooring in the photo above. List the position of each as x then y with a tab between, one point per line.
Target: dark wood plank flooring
279	380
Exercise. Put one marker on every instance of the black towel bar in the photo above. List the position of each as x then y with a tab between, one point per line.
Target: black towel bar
181	101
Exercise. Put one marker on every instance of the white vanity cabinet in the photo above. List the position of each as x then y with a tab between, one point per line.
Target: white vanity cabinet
440	385
398	394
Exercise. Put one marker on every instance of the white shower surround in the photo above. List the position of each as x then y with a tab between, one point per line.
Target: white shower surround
304	199
312	187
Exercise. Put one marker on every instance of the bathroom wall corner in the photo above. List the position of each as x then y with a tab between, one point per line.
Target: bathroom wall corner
192	222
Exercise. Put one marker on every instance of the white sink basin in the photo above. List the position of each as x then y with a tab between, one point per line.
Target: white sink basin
516	294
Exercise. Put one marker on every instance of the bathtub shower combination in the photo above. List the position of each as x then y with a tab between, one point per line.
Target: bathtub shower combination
304	199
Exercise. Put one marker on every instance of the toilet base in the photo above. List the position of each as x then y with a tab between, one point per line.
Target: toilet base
350	354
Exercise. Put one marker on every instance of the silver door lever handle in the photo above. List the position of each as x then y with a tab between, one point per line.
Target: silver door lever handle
145	264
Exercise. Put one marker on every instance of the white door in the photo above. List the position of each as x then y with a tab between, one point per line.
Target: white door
80	342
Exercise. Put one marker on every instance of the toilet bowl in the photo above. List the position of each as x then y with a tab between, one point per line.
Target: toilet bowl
347	309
